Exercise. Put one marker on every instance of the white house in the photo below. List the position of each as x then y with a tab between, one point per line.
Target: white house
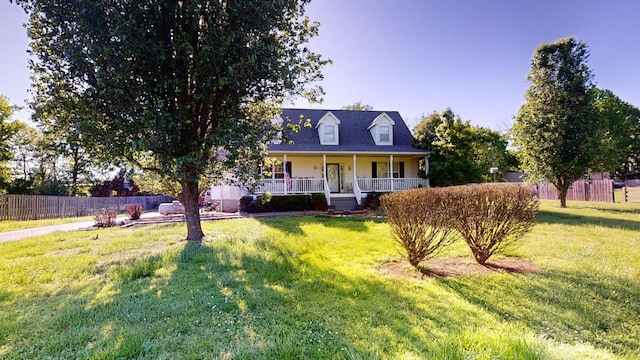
345	154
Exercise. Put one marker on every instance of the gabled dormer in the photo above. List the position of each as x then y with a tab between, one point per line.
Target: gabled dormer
381	129
328	129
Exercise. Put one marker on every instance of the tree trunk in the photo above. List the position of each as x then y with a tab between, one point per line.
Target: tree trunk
190	196
563	198
563	184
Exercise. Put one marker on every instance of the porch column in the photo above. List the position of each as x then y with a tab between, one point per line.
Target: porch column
324	166
391	170
354	167
426	165
284	176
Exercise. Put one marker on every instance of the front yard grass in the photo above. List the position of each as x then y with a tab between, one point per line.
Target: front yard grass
309	288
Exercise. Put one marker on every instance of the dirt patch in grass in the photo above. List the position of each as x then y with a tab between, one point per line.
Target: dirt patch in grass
456	267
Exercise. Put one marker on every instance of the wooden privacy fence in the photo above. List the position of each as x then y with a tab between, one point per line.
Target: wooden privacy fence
581	190
631	194
36	207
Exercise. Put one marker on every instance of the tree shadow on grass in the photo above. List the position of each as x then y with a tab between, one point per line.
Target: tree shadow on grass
222	300
551	217
565	306
619	211
292	225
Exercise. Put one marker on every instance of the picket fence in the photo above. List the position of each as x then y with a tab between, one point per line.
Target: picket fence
37	207
581	190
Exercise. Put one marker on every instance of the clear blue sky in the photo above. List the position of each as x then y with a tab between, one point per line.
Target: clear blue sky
420	56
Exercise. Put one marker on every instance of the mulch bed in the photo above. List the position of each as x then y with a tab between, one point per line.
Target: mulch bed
457	267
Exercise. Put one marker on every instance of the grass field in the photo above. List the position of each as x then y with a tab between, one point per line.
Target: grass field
309	288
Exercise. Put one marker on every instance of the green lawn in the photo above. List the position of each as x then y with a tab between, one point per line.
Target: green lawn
309	288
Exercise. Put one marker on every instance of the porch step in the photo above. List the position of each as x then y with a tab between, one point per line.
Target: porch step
344	203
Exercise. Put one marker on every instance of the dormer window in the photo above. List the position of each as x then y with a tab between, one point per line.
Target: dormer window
329	133
383	133
381	129
328	129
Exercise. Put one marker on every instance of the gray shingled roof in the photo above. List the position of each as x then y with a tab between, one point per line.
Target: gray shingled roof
353	134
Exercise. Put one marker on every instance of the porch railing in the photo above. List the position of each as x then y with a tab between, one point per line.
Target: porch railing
293	186
327	191
388	184
360	185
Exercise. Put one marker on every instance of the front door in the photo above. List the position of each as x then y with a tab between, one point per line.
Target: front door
333	177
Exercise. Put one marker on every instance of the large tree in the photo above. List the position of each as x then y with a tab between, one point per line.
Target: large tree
461	153
190	84
620	134
556	129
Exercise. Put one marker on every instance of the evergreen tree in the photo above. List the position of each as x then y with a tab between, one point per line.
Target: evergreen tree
557	129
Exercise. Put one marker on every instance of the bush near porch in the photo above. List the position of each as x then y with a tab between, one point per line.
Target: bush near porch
372	200
282	203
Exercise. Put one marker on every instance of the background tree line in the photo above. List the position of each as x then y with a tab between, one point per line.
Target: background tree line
566	128
48	159
41	160
462	153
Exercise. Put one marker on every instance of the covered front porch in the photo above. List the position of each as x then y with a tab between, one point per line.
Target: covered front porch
345	175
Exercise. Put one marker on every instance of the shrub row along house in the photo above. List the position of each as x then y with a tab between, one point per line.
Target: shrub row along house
344	154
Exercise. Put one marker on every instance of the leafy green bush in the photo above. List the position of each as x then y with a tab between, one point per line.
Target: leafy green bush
285	203
372	201
265	198
318	202
419	221
281	203
244	203
490	217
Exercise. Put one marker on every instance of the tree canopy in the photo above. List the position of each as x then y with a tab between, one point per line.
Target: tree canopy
557	129
620	134
188	86
358	106
461	153
7	131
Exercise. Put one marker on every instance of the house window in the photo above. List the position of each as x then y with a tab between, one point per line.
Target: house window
329	133
381	169
383	131
278	170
